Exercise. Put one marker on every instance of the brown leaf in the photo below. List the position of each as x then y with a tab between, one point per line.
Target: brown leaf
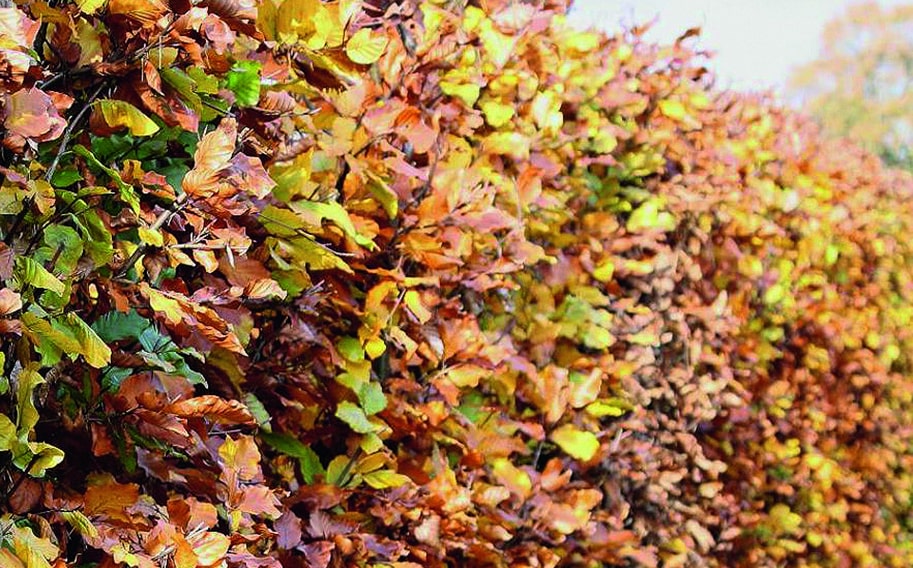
317	554
213	408
259	500
213	154
144	12
289	528
110	500
26	496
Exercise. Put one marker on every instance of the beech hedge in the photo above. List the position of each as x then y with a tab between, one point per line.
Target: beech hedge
295	283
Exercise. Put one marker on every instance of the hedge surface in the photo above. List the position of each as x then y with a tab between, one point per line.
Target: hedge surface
398	284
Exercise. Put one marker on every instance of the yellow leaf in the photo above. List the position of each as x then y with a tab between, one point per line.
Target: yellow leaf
499	46
497	114
291	20
121	114
604	271
578	444
512	144
365	47
90	6
414	303
513	478
467	375
161	303
673	109
608	407
7	433
43	457
81	523
385	478
210	548
93	349
34	550
206	259
649	216
784	520
375	347
328	31
466	92
151	237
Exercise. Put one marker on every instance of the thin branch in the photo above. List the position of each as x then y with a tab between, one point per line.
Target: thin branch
158	224
69	132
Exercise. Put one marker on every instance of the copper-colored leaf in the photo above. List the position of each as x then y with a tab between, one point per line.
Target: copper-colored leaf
212	408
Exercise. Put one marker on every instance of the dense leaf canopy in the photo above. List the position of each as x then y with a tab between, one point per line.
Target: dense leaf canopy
372	283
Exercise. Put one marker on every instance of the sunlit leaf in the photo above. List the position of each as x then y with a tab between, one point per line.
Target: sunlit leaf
365	46
578	444
121	114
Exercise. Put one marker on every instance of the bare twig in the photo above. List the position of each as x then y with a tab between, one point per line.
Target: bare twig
158	224
69	132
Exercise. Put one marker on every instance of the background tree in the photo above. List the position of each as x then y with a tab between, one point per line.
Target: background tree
861	85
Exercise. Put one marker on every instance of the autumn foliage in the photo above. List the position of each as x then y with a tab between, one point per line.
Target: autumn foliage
372	283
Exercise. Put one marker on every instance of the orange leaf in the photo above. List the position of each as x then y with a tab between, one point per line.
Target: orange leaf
212	408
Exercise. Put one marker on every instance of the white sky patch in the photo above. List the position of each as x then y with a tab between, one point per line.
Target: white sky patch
756	42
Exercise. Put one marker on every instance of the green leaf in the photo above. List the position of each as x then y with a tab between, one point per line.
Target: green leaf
355	417
184	85
775	294
127	193
339	472
258	411
121	114
64	245
32	273
65	177
372	398
596	337
308	461
205	83
281	222
351	349
244	81
578	444
96	238
117	326
370	443
113	377
45	334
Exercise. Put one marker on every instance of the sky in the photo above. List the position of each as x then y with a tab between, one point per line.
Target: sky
757	42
